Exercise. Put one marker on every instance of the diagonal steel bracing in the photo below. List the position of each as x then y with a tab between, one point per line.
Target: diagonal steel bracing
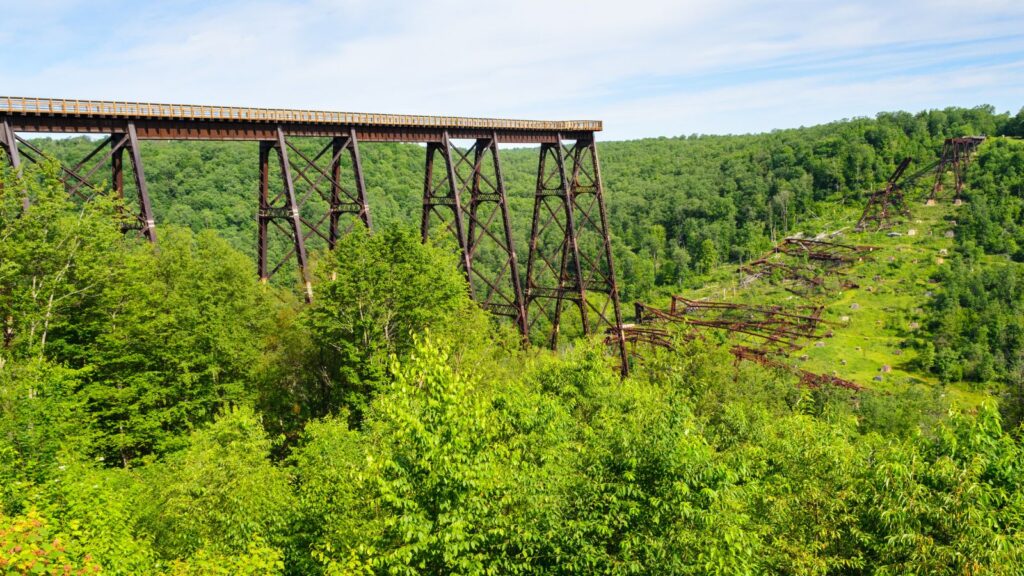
80	180
570	245
464	197
956	156
482	227
308	181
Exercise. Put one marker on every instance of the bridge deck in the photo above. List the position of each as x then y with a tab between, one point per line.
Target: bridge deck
198	122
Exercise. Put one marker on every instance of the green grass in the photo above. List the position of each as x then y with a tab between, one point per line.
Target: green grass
871	324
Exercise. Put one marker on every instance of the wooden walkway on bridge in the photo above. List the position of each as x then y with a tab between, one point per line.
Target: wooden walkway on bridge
198	122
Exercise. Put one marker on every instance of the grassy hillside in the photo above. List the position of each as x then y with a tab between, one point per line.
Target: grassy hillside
886	328
873	325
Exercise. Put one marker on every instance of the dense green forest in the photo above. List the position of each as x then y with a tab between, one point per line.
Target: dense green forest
163	412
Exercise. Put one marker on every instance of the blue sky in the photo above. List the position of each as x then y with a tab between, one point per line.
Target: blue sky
645	67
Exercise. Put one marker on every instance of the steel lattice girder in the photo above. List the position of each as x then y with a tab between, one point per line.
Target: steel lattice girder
284	206
887	203
773	324
78	179
304	178
956	154
570	255
793	258
481	226
648	333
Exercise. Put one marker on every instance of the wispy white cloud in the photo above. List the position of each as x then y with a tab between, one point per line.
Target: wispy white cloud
646	67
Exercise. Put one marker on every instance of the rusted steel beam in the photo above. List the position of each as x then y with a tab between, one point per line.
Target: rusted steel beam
9	142
65	108
804	263
254	132
886	204
501	291
263	214
774	325
294	217
807	378
546	269
73	178
441	195
316	178
283	206
602	274
956	154
78	179
823	251
481	227
145	216
569	205
360	186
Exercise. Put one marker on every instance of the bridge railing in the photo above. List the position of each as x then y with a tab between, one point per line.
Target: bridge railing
103	108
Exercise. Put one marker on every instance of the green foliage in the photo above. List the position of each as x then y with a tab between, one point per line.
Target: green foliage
412	436
257	560
54	256
328	466
39	420
376	293
946	505
993	217
29	545
221	494
98	507
438	476
173	340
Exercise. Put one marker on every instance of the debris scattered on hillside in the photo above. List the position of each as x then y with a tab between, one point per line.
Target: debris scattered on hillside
804	265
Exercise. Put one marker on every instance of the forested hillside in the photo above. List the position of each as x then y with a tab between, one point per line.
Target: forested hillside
677	205
163	412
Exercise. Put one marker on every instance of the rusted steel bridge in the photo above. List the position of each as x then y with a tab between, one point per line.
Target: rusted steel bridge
887	205
464	193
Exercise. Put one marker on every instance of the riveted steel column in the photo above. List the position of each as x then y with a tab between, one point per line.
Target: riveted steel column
117	165
613	285
293	217
145	207
357	169
432	201
263	215
501	292
572	236
517	285
567	282
9	143
338	147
